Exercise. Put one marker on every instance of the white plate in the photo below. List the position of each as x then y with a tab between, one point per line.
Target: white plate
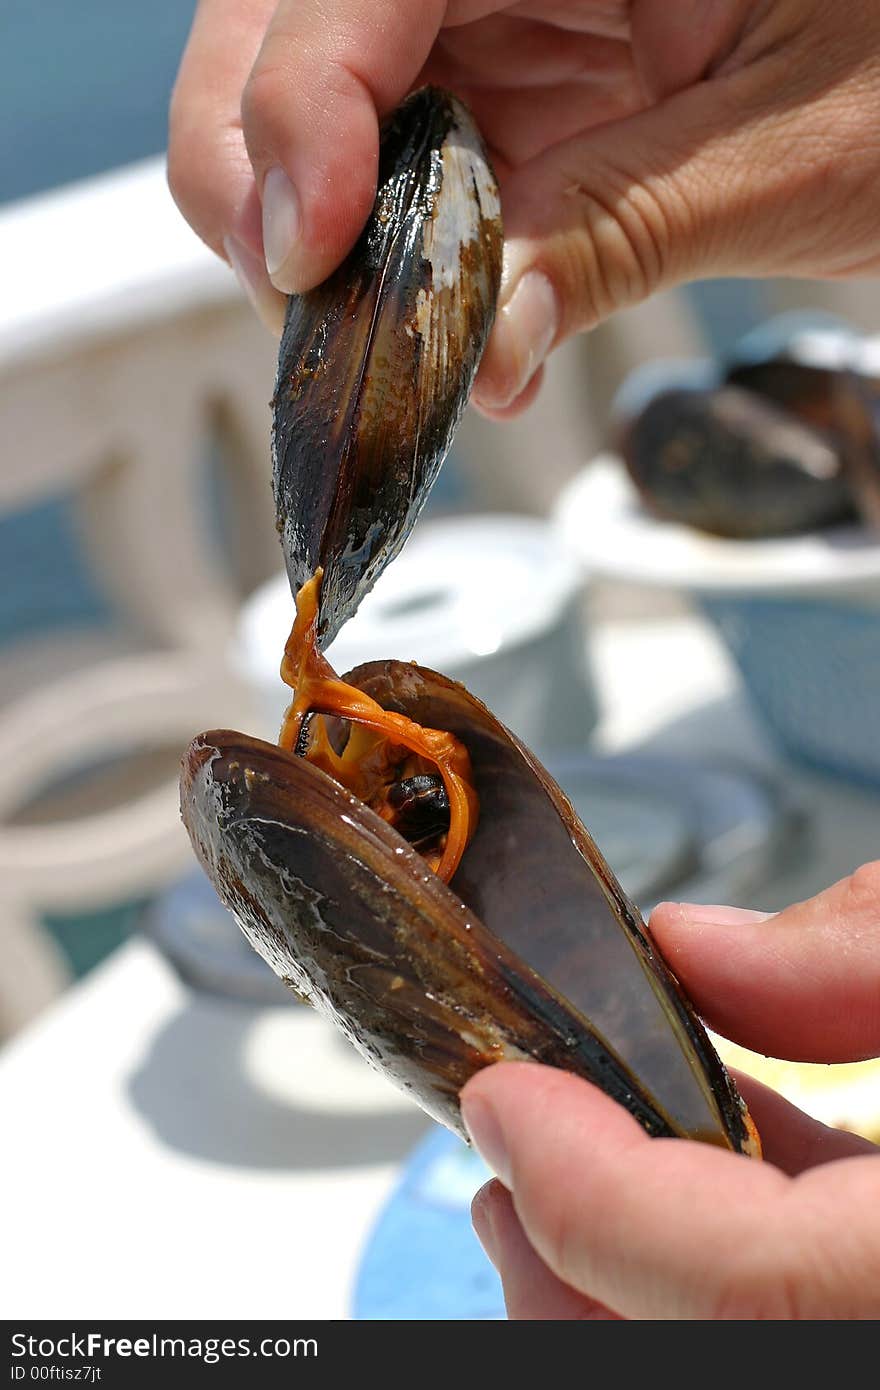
603	520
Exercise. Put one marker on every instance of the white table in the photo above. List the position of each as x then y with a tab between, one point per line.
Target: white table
173	1155
167	1154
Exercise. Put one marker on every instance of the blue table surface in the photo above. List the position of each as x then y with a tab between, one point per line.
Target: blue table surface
422	1259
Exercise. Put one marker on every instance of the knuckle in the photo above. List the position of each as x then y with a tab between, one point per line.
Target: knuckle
263	104
565	1246
177	167
862	891
178	171
742	1297
775	1278
183	178
185	156
735	1302
622	251
180	175
190	172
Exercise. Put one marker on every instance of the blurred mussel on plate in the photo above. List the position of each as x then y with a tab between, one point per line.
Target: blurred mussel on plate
782	441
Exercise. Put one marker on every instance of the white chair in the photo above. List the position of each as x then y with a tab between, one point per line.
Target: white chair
116	383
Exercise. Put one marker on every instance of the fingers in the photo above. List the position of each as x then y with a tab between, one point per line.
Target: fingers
803	984
517	405
721	177
526	328
209	172
655	1228
274	129
326	72
792	1140
531	1290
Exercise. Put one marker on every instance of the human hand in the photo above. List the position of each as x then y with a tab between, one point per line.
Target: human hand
638	143
589	1218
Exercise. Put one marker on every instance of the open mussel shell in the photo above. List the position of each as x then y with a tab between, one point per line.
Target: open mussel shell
534	950
376	364
736	462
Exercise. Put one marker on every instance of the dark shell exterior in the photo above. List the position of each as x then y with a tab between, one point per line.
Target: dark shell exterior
738	463
533	952
376	364
841	402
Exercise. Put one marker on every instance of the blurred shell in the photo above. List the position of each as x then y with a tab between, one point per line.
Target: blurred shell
727	461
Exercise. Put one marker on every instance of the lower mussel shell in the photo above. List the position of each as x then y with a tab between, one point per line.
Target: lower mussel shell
533	952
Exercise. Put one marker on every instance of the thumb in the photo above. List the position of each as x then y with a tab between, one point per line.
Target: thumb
803	984
766	167
669	1229
325	74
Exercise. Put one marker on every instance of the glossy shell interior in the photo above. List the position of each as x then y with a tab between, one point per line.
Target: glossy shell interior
533	950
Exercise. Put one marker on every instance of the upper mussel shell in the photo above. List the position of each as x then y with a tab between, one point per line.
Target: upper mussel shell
534	950
376	364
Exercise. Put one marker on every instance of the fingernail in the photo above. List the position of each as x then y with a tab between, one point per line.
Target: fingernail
720	916
486	1136
281	223
524	332
481	1216
250	273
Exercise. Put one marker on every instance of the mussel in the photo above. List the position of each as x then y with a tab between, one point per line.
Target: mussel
785	440
400	859
376	365
828	380
732	463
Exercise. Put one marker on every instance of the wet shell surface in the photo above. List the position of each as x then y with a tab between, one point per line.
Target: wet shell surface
533	951
377	363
